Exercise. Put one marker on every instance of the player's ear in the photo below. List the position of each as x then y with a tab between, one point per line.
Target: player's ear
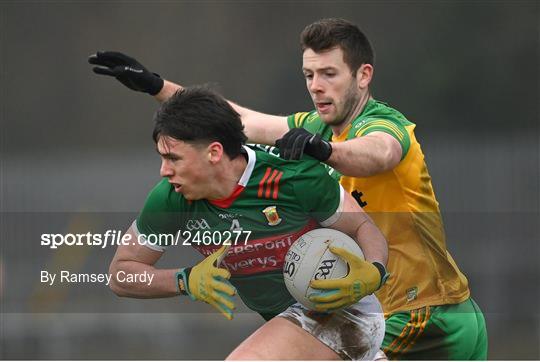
214	152
364	75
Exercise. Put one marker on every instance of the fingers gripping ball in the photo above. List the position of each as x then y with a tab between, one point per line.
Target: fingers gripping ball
362	279
310	258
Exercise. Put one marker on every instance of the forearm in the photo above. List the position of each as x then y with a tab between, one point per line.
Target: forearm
259	127
354	222
169	88
360	157
162	283
372	242
365	156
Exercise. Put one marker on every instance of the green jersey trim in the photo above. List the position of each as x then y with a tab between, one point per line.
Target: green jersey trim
332	219
395	129
298	120
142	240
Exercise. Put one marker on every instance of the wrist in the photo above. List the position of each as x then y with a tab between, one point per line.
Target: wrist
157	85
332	154
319	148
382	271
181	279
166	91
328	151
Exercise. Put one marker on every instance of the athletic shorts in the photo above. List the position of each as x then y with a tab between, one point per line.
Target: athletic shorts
354	333
443	332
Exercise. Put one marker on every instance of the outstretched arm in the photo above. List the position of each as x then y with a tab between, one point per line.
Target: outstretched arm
259	127
364	156
205	281
138	259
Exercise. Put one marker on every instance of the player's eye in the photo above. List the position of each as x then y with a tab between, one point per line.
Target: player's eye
308	76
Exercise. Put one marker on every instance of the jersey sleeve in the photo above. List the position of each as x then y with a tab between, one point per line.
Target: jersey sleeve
158	222
318	193
393	128
297	120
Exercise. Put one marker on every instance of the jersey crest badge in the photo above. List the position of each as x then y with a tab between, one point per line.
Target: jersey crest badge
272	215
412	294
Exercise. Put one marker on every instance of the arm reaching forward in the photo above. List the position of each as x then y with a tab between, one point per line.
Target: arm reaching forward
205	281
259	127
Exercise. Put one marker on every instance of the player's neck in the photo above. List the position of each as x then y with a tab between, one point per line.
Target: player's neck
354	113
227	177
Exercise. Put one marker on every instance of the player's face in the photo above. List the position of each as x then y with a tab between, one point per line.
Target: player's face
330	83
186	166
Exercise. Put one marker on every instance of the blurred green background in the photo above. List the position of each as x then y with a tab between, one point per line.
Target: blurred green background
77	152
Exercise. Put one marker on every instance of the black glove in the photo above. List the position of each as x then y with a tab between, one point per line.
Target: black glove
299	141
127	70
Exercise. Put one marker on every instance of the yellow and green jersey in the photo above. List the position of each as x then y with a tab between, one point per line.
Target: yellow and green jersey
403	205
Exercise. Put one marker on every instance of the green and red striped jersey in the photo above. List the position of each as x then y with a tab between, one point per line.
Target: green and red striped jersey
274	203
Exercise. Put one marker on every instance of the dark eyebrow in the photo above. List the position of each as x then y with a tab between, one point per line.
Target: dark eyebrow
326	69
319	69
167	155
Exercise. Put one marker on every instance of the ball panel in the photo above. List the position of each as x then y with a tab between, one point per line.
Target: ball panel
309	258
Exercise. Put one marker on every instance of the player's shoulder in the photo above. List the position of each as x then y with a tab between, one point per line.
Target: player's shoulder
270	155
380	111
379	116
161	211
268	158
162	197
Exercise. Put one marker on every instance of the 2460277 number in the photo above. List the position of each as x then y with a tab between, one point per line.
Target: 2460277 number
208	237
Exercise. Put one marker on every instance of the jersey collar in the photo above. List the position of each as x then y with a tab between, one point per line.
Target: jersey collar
227	202
252	157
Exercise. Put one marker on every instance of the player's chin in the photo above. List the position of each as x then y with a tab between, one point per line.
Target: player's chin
330	119
190	196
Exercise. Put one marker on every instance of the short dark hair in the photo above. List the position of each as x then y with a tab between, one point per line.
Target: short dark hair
199	115
326	34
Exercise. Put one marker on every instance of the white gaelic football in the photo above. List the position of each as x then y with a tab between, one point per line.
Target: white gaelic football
309	258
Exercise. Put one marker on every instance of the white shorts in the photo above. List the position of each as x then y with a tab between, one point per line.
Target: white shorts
354	333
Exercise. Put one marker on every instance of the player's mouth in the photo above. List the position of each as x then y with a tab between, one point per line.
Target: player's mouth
323	107
177	187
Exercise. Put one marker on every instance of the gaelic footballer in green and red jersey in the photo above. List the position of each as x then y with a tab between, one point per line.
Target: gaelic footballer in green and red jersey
274	203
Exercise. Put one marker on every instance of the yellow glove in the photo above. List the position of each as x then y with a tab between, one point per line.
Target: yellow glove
209	283
363	279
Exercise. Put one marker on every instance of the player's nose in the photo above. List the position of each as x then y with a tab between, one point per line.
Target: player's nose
315	85
166	170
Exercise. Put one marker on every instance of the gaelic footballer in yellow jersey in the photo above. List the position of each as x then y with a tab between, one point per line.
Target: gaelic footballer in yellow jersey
405	209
